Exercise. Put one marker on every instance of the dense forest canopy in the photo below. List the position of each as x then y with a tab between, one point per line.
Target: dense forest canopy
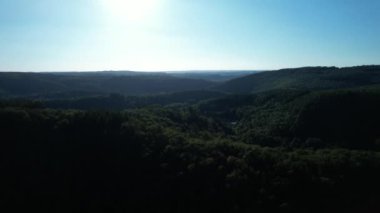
293	140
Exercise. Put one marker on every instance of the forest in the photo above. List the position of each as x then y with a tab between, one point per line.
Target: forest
291	140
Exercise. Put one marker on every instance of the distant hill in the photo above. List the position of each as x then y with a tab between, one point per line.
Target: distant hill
315	78
215	75
119	102
66	85
63	85
209	75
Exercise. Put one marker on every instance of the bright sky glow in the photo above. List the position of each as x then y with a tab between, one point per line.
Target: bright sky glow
56	35
131	10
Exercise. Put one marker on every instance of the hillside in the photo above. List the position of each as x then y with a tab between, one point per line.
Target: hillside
214	75
284	151
60	85
316	78
89	84
298	118
79	146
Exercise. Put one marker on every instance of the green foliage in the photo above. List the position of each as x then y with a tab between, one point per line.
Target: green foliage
118	102
298	118
282	150
343	118
168	159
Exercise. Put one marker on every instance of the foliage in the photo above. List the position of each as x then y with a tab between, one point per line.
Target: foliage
291	149
168	159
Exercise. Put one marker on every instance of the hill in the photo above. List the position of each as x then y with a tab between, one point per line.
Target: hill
61	85
315	78
300	118
215	75
295	149
184	159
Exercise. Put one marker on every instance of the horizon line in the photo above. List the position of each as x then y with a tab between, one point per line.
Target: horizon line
180	70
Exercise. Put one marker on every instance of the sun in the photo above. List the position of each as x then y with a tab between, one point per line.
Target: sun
131	10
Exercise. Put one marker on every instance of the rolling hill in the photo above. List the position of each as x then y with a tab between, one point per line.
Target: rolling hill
316	78
67	85
309	142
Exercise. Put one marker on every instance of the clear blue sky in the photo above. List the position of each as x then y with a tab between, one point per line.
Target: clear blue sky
52	35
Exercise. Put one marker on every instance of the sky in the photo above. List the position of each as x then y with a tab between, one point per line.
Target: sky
158	35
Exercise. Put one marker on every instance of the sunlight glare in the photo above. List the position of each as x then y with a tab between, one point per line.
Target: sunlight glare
131	10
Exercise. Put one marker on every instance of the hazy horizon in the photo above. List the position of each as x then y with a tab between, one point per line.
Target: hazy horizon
185	71
182	71
179	35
